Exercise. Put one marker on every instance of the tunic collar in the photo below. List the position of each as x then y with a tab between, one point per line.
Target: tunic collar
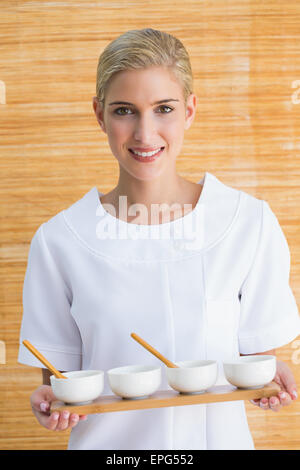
184	237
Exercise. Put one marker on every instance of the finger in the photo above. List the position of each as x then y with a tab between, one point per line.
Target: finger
51	421
46	420
44	395
288	381
36	401
291	393
274	404
45	407
43	418
83	417
74	419
294	394
63	422
264	403
285	398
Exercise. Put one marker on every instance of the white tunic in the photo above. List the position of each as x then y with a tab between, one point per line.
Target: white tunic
210	285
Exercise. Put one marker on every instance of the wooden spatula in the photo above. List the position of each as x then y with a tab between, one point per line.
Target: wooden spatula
152	350
43	360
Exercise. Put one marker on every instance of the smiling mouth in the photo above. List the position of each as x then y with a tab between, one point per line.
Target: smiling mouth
146	154
147	158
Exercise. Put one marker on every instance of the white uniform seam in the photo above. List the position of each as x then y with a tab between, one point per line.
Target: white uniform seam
257	246
204	336
44	242
172	334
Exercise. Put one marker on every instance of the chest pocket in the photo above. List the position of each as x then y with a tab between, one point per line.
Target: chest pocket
222	319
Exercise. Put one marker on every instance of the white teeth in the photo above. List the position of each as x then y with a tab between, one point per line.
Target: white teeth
146	154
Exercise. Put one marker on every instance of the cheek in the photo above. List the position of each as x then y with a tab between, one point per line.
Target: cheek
117	133
173	126
174	134
118	128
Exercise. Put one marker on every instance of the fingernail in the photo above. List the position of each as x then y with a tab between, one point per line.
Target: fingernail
55	415
282	395
295	394
43	407
66	414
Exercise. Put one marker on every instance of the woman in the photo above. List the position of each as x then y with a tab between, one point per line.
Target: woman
200	270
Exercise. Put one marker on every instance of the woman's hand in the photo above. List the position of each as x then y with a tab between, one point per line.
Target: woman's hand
41	400
285	379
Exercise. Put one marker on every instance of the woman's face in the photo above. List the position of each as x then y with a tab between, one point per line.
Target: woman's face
144	124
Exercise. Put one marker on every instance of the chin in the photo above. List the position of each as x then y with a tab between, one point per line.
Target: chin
142	174
146	176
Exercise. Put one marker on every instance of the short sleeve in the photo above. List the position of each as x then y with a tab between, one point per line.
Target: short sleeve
47	322
269	316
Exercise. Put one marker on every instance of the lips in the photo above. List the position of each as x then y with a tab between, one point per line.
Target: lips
136	149
151	158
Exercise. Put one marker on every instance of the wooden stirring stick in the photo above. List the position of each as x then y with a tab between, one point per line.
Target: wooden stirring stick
41	358
152	350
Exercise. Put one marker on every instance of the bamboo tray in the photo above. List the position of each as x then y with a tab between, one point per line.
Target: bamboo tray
163	398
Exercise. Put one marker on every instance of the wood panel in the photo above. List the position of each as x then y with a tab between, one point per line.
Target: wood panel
246	63
165	398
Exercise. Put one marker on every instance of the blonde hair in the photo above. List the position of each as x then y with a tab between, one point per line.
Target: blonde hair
143	48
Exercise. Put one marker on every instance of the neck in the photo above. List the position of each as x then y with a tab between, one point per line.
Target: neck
156	191
153	201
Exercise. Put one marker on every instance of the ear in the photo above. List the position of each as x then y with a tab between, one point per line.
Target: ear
99	112
190	110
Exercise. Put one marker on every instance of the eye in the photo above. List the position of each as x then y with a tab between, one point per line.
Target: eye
165	106
118	109
124	108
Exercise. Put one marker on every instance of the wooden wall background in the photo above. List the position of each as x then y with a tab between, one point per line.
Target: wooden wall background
246	64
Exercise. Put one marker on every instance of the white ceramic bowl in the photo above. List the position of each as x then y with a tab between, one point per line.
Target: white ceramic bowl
192	376
80	387
134	381
251	371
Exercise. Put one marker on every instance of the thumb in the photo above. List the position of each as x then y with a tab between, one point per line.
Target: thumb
288	380
42	398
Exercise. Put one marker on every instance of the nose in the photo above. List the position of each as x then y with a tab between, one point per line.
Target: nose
144	130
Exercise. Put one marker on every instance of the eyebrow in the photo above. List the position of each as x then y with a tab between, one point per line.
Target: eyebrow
152	104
